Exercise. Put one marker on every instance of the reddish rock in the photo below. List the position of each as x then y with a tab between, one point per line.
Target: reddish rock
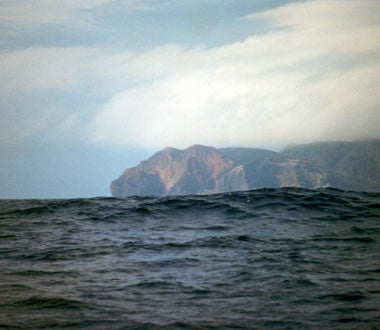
174	172
205	170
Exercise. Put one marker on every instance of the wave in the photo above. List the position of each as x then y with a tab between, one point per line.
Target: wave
237	204
266	258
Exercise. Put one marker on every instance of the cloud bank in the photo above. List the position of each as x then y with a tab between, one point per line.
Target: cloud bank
313	76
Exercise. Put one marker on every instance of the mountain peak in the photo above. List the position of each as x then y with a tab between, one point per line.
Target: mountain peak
203	169
174	172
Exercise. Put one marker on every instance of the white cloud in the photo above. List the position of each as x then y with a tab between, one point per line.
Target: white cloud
39	68
313	77
40	87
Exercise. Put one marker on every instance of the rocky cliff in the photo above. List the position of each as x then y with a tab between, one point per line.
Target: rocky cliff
202	170
174	172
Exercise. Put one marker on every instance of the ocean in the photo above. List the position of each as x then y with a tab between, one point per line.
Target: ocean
286	258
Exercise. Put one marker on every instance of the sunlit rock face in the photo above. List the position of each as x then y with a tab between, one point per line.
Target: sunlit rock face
174	172
204	170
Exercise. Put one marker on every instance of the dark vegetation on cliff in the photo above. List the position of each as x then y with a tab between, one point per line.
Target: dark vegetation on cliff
203	170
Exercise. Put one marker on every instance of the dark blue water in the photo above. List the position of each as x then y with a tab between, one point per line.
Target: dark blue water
270	258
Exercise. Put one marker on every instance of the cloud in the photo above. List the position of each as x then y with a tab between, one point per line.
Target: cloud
41	88
313	76
323	15
36	13
70	13
38	68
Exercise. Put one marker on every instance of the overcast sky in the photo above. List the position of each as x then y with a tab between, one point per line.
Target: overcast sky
90	87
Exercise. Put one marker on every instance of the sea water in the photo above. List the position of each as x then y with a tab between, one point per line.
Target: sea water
269	258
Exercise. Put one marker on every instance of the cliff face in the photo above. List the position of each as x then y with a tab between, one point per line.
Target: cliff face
174	172
202	170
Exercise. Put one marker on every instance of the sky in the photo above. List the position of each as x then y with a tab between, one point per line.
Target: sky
91	87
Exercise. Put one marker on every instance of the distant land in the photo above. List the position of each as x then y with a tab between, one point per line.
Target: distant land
205	170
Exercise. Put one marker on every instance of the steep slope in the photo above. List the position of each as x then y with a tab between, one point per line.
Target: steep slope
272	172
174	172
350	165
321	154
201	170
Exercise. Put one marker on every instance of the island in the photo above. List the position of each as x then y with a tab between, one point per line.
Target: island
206	170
